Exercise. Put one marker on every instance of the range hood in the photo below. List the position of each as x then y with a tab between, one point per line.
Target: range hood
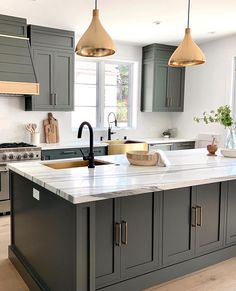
17	73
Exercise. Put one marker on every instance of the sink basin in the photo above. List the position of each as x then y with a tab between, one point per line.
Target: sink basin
116	147
74	164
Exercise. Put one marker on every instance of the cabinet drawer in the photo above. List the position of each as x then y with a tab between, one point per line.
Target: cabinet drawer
184	145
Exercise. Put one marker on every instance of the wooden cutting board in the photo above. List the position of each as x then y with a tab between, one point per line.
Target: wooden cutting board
51	129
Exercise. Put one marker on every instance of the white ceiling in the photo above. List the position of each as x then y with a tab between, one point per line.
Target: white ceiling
132	20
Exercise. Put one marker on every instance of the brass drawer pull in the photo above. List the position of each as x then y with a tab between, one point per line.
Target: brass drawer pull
118	234
194	216
199	209
124	233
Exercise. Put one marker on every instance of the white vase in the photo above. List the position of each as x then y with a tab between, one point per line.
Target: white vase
230	139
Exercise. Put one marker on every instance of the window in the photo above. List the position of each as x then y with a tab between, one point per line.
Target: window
102	87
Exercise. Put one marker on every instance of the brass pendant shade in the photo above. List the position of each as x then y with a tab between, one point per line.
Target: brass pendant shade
187	53
95	42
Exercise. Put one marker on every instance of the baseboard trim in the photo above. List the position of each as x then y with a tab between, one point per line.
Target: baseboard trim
25	271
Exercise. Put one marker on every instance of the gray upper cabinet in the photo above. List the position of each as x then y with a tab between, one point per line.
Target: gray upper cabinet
53	55
14	26
162	86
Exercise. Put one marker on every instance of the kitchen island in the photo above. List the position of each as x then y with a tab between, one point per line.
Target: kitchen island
121	227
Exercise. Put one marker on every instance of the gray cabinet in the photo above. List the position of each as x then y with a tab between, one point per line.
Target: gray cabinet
162	86
186	145
128	232
53	56
68	153
210	217
178	235
193	221
231	213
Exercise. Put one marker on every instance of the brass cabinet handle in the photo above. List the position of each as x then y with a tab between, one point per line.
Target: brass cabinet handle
124	238
118	234
199	209
194	214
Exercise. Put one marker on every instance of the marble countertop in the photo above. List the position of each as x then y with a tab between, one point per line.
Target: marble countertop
79	185
78	144
67	145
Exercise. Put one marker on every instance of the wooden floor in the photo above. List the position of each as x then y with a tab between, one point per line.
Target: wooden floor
220	277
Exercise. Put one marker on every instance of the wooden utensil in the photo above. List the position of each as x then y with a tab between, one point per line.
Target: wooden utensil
51	129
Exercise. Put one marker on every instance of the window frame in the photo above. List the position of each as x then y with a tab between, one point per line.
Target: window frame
100	91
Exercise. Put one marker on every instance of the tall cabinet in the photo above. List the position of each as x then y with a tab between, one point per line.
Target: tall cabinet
53	56
162	86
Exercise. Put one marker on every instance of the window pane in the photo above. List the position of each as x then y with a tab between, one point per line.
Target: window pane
121	114
84	114
85	95
85	72
116	74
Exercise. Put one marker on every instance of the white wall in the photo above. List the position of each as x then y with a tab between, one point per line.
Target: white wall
13	117
207	87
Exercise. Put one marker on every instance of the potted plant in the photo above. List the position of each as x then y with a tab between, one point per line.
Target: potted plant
222	115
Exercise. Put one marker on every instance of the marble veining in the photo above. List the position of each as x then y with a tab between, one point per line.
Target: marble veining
79	185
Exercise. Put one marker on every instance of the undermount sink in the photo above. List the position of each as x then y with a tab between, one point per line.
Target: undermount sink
116	147
74	164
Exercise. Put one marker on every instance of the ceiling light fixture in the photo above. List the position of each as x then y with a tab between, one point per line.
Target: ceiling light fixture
95	42
187	53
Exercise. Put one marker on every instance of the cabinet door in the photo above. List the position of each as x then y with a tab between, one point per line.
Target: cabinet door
160	87
63	80
231	213
175	89
147	87
178	233
107	252
210	214
141	236
43	60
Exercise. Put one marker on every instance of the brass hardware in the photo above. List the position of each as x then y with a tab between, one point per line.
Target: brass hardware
19	88
118	234
124	232
55	98
194	212
199	208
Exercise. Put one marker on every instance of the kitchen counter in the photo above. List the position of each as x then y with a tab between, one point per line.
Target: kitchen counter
163	140
67	145
79	185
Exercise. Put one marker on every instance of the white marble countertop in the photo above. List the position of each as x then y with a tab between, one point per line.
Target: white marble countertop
79	185
79	144
67	145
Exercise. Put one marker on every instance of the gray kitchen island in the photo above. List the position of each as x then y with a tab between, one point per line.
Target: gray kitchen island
119	227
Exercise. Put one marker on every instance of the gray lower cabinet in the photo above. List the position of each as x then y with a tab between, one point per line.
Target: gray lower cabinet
53	56
178	234
231	213
210	217
69	153
193	221
128	237
162	86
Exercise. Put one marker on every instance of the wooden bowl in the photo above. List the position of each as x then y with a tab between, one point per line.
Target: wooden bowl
142	158
212	148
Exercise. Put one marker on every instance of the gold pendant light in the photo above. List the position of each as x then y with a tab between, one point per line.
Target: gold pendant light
187	53
95	42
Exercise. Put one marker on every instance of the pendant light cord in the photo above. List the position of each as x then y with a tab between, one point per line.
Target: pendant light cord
188	13
96	4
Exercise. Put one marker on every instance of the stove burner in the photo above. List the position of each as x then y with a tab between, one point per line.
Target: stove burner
15	145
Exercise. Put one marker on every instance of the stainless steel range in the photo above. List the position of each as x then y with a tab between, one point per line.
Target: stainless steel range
13	152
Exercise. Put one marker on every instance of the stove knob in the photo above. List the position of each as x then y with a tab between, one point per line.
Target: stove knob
25	155
18	157
31	155
4	157
11	157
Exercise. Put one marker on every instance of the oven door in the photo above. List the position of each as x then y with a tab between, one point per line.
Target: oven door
4	183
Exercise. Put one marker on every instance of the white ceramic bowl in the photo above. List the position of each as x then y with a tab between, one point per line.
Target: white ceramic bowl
229	153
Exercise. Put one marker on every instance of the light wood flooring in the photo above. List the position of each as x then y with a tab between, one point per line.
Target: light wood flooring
220	277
